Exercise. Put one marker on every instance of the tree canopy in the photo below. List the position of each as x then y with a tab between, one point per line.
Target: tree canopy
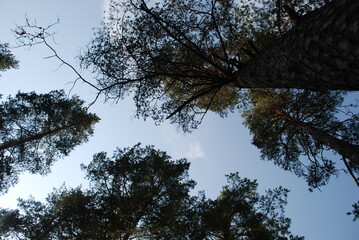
37	129
239	212
145	187
141	193
180	59
7	59
295	129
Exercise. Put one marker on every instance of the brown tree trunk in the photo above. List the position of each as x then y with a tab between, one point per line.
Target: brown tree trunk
347	150
344	148
320	52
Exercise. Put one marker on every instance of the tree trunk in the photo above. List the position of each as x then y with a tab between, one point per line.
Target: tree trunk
347	150
21	141
320	52
344	148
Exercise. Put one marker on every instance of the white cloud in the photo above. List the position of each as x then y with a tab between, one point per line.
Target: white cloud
195	151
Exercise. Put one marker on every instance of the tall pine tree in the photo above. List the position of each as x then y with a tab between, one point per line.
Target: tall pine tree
37	129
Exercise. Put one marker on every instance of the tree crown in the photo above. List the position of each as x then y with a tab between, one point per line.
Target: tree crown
37	129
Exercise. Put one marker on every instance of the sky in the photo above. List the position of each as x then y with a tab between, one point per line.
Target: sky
218	147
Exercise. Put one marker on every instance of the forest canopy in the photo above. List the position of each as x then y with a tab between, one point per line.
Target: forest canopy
38	129
274	60
141	193
181	59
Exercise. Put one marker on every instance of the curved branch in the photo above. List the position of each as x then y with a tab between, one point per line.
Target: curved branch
350	170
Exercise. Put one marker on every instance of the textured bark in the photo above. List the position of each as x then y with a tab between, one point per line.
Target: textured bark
320	52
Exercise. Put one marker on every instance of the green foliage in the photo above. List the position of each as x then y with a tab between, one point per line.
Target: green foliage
274	117
141	193
7	60
144	186
355	211
37	129
30	224
9	222
179	58
241	213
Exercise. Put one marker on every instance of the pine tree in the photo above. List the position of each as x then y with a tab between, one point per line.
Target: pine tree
37	129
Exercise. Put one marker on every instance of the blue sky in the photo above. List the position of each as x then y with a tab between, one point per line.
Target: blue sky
218	147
